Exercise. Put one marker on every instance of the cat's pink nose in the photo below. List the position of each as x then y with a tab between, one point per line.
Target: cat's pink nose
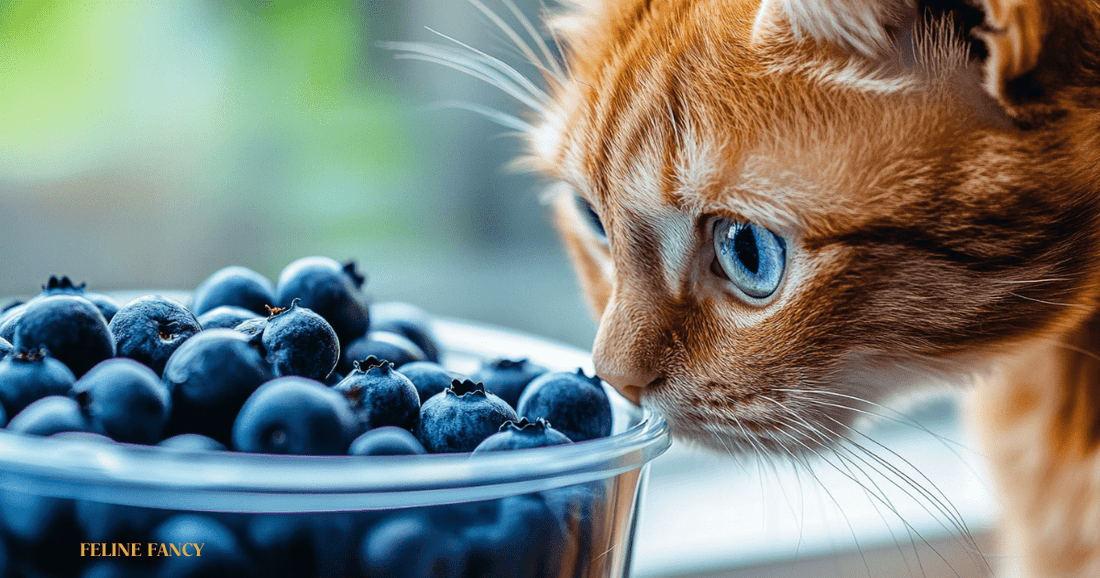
631	384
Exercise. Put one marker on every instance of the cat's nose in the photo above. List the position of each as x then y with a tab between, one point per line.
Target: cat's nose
630	384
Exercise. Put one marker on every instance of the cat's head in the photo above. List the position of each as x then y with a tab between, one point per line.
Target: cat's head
777	209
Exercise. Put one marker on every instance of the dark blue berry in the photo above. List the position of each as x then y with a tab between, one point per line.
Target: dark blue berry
429	377
331	290
524	540
64	286
408	321
70	327
295	415
574	403
238	286
50	415
386	441
284	544
221	554
507	377
226	317
9	320
411	546
111	569
380	396
26	376
300	342
210	377
461	417
522	434
192	443
5	347
382	345
124	400
150	328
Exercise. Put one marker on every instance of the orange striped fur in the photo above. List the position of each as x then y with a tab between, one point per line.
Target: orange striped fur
933	168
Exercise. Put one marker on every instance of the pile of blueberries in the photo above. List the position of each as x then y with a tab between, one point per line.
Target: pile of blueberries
305	366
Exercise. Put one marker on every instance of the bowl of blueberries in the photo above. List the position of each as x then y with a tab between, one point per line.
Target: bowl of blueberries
257	429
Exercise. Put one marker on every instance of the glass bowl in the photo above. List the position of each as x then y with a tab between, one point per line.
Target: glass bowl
75	506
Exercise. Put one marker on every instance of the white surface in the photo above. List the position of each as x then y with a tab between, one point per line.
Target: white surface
706	512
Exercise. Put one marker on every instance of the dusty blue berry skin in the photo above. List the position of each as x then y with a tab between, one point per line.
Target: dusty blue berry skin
391	347
507	377
192	443
408	321
149	329
503	547
522	434
210	376
386	441
124	400
412	546
238	286
222	554
331	290
429	377
50	415
64	286
226	317
27	376
9	320
295	415
460	418
575	404
300	342
70	328
5	347
380	396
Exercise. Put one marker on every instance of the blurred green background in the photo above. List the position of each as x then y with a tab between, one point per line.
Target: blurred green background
145	144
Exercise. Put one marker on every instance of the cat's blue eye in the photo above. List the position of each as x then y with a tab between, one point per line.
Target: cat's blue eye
750	256
593	218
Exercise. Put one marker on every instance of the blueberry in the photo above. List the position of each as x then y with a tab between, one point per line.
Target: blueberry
380	396
50	415
9	320
524	540
35	524
210	377
124	400
192	443
300	342
26	376
386	441
410	546
507	377
331	290
522	434
150	328
408	321
429	377
576	404
461	417
5	347
64	286
110	569
104	522
221	555
238	286
284	544
70	327
382	345
226	316
295	415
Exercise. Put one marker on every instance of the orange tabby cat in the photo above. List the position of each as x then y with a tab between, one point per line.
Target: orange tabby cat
782	210
777	208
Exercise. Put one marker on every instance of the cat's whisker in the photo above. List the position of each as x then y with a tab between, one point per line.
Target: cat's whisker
540	41
502	118
557	44
464	63
510	32
1028	281
500	65
1045	302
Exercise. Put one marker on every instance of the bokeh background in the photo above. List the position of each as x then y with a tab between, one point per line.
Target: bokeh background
145	144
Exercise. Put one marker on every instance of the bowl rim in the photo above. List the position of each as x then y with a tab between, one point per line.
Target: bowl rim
230	481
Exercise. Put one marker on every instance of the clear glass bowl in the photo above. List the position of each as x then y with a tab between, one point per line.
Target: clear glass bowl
557	511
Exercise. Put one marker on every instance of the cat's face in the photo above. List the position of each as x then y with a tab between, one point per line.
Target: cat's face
785	218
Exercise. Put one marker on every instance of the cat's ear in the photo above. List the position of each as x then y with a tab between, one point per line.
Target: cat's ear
1006	34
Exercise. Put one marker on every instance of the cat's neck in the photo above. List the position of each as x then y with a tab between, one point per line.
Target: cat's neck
1039	415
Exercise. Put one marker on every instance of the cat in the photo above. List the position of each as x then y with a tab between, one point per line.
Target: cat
782	212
